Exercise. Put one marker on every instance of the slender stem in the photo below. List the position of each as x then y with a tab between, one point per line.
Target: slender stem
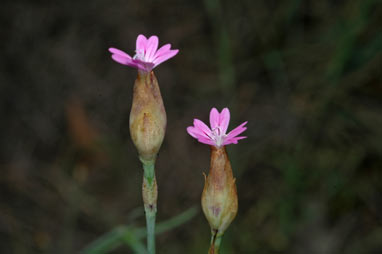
215	243
150	223
150	195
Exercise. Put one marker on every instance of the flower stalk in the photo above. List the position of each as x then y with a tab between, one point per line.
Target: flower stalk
147	130
147	118
150	196
215	243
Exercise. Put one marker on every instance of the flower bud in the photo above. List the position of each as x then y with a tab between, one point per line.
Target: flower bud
147	117
219	198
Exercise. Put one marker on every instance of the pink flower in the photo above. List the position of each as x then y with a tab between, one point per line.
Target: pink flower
147	55
216	136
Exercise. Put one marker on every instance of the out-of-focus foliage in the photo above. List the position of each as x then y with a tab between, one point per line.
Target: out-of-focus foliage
305	74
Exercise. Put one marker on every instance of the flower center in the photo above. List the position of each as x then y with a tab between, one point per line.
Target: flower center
218	136
140	55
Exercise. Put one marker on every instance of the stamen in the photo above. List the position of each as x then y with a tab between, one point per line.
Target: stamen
140	55
218	136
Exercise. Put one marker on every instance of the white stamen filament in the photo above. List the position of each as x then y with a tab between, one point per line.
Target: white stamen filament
218	136
140	55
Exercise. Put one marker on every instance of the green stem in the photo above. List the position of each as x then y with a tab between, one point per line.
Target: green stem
215	243
150	223
150	195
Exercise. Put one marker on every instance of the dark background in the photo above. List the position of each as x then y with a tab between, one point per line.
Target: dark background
306	75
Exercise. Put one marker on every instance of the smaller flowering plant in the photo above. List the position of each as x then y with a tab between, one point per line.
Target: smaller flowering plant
216	135
147	55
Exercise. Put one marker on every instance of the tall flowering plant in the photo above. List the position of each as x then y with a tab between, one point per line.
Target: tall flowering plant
219	197
147	117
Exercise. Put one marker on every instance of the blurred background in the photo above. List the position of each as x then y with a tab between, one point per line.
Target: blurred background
306	75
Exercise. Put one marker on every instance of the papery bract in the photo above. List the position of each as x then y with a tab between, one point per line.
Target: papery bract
147	55
148	118
219	197
216	135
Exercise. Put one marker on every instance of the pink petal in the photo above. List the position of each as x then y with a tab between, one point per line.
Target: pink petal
224	119
200	135
236	131
118	52
232	140
163	50
165	57
214	118
124	60
207	141
202	127
151	48
141	43
144	65
193	132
